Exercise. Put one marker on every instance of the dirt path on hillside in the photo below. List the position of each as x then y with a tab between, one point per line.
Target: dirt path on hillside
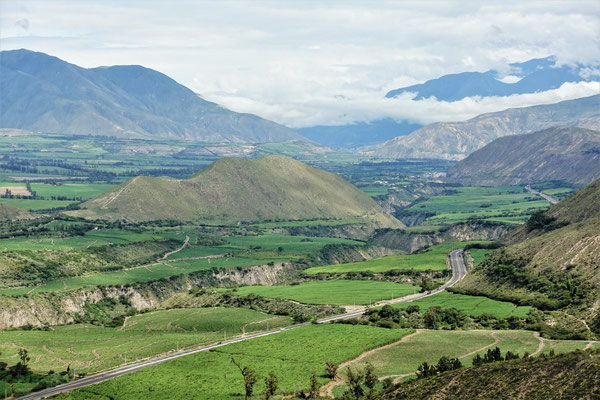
398	377
255	322
327	389
117	194
185	243
540	344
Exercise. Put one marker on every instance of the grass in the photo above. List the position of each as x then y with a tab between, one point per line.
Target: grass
472	305
478	255
429	346
333	291
292	355
511	204
432	258
89	348
139	274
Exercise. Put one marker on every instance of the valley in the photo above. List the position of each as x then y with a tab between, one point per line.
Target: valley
249	200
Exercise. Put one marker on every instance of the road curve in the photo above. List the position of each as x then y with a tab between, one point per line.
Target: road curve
458	272
545	196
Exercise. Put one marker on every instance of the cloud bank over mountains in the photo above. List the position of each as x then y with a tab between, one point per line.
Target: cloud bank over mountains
306	63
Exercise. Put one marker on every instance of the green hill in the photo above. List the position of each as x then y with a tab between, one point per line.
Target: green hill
235	189
552	261
567	154
565	376
10	213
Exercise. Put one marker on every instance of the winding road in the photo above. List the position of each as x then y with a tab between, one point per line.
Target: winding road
459	270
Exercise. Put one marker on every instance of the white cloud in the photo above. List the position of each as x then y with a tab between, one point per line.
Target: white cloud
305	63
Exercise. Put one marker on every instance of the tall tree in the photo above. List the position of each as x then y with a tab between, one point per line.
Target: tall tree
250	378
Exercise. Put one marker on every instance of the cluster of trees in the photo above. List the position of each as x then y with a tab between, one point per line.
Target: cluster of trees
444	364
21	373
494	355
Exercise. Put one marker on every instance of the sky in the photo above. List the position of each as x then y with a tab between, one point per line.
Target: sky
303	63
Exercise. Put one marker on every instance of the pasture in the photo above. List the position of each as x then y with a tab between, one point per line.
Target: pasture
291	355
510	204
89	348
472	305
335	292
431	258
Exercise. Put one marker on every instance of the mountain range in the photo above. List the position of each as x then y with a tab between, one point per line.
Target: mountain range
235	189
566	154
536	75
45	94
456	140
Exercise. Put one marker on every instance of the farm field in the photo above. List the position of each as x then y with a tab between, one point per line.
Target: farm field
89	348
431	258
335	292
472	305
292	355
54	196
403	359
510	204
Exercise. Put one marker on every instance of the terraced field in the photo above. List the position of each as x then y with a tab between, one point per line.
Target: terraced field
338	292
89	348
211	375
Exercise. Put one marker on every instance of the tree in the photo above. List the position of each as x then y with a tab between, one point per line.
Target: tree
331	369
250	378
355	380
271	385
370	378
314	386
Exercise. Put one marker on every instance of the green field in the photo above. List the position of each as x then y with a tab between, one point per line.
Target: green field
292	355
472	305
429	346
334	291
478	255
431	258
89	348
509	204
72	191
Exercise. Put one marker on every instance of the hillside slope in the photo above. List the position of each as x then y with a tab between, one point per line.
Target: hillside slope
552	261
456	140
10	213
231	189
45	94
565	154
565	376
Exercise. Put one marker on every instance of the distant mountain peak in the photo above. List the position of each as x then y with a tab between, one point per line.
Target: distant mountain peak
46	94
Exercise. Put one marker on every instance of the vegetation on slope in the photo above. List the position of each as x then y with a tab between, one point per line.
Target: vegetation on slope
565	154
268	188
551	262
565	376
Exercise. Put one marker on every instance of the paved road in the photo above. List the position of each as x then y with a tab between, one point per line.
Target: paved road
458	272
549	198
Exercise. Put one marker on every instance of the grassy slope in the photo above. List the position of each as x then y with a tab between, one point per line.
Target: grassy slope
11	213
230	189
333	291
432	258
472	305
569	251
565	376
89	348
291	355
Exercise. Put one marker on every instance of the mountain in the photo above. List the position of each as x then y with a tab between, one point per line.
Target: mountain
535	75
552	262
235	189
10	213
358	134
456	140
43	93
566	154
